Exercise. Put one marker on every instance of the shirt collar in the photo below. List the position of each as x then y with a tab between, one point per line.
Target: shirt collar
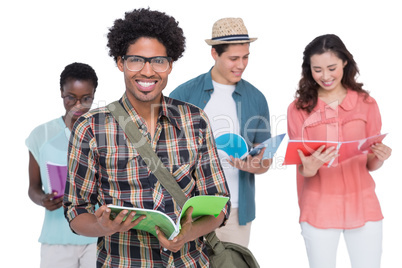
208	81
167	111
208	86
348	103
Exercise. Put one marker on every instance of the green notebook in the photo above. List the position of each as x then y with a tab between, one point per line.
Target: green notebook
202	205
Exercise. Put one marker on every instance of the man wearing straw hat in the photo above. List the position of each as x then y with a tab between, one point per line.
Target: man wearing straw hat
235	106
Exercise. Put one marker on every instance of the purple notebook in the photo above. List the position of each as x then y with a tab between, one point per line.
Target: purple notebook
57	175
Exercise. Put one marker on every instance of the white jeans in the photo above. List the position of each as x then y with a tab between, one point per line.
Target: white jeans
68	256
364	245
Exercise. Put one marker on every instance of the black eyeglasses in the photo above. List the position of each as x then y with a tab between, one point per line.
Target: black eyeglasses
135	63
71	100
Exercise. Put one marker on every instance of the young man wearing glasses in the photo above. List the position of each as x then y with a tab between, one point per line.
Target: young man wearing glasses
105	167
233	106
48	144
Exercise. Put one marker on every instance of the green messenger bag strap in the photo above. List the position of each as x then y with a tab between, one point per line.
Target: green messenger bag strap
146	152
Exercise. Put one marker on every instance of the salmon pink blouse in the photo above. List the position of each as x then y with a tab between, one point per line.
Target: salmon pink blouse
341	196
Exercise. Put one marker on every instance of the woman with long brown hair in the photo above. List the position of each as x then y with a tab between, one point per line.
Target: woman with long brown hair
331	105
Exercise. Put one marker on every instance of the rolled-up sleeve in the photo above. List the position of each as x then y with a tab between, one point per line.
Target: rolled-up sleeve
80	194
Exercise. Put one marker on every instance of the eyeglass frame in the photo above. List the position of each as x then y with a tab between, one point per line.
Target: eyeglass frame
146	59
77	99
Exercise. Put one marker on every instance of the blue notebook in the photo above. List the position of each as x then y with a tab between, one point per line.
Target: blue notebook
271	146
232	144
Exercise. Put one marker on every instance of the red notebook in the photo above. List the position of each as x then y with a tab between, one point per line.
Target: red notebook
347	149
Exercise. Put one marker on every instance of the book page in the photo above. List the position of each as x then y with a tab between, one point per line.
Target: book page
153	218
350	149
205	205
202	205
347	149
365	144
271	146
307	147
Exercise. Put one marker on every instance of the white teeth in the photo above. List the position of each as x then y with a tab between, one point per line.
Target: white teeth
146	84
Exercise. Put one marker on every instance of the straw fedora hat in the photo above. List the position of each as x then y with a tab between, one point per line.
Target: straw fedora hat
229	31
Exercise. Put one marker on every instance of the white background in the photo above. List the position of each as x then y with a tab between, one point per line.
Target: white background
39	38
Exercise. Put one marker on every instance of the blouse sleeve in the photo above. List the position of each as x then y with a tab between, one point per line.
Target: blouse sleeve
295	122
373	118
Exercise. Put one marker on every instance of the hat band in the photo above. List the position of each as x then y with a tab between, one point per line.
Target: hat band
239	37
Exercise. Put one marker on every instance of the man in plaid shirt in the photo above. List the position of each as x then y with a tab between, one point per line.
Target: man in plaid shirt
105	167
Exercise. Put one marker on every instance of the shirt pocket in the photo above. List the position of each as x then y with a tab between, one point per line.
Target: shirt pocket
354	127
117	157
321	131
183	175
123	171
316	126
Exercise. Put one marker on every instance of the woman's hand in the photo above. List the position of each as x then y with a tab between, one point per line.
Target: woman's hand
311	164
50	203
381	152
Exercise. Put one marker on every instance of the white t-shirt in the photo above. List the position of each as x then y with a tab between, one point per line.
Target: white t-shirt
222	114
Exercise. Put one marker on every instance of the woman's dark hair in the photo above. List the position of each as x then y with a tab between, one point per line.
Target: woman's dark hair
78	71
146	23
307	94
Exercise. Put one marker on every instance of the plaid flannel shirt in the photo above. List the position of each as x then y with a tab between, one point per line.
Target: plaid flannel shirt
105	168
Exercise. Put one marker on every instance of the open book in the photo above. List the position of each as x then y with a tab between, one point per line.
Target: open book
57	175
271	146
347	149
202	205
235	145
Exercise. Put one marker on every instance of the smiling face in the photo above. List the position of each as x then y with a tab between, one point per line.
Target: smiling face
327	71
144	87
230	65
83	91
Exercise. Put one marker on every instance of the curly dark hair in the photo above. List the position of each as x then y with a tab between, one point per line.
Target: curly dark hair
146	23
78	71
307	94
